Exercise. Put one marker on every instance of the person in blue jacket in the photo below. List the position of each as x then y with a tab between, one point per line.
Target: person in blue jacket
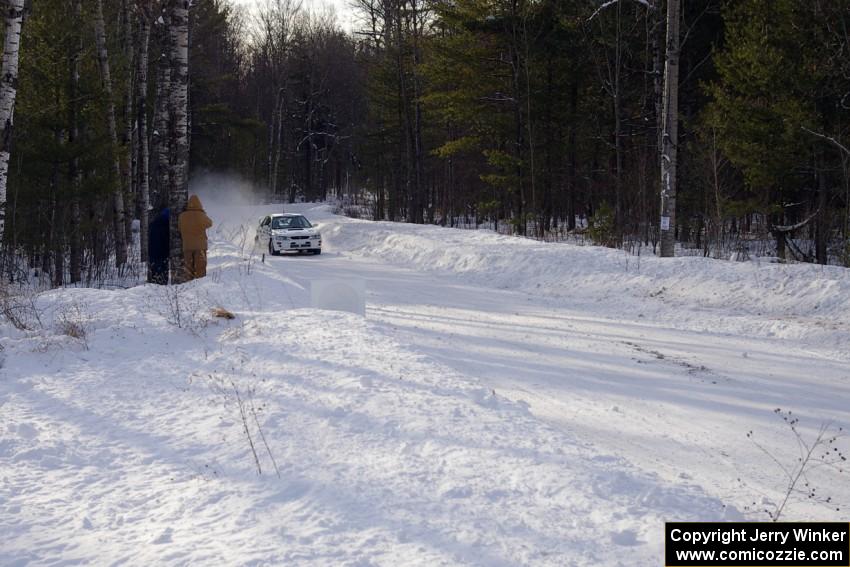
158	248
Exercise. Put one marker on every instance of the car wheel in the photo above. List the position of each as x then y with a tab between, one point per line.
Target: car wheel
271	249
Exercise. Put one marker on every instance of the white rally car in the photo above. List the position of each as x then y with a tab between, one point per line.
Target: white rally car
288	232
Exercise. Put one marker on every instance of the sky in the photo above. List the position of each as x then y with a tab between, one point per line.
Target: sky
345	14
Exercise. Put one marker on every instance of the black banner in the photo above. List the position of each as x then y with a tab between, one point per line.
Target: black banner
757	544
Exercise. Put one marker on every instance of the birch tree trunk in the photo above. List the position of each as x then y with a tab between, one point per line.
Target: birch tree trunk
142	132
73	139
8	91
162	118
179	97
669	136
129	179
118	211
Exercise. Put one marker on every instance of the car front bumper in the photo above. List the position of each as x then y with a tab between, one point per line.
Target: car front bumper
311	243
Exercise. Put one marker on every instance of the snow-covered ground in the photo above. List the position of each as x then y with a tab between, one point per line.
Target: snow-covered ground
503	402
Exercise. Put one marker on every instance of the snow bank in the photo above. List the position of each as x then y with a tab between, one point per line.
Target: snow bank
798	301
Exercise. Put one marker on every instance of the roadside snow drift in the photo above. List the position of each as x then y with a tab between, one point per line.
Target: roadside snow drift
800	301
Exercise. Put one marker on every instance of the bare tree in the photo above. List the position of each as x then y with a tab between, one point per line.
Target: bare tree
117	191
74	173
8	91
272	39
277	147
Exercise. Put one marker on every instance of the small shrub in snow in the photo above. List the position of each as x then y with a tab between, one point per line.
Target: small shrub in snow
741	253
73	320
347	208
818	465
72	329
183	307
249	415
18	307
248	247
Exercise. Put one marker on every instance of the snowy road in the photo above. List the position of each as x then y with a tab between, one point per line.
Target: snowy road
672	401
504	402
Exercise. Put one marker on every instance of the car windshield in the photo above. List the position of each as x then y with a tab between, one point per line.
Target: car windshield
290	222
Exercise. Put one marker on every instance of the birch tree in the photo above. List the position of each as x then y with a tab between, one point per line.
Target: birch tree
142	126
118	211
162	114
128	179
8	91
179	99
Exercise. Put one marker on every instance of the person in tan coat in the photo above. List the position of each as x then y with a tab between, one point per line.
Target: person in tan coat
193	224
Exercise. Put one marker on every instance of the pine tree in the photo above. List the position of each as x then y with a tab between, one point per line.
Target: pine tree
760	102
